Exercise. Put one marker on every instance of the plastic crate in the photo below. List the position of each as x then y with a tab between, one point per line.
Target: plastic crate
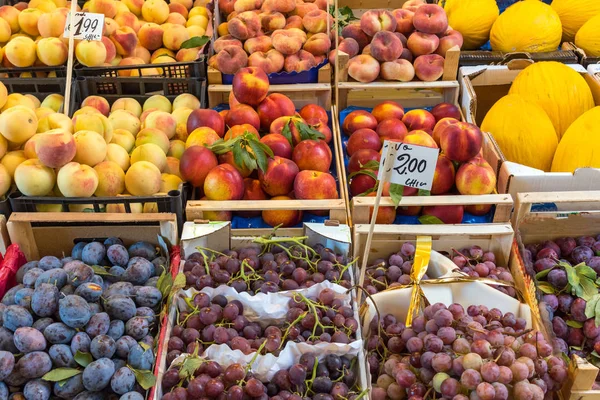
35	72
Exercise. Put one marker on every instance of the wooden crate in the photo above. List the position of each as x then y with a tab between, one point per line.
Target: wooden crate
301	94
324	76
578	215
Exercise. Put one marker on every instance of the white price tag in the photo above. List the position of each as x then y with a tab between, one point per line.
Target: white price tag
88	26
413	165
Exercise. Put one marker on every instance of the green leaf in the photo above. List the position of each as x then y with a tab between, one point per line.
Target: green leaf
165	283
259	155
238	156
189	366
565	358
574	324
572	278
363	171
430	220
308	133
83	359
396	193
588	288
265	148
423	192
179	282
145	378
372	164
546	288
144	346
590	306
287	133
196	41
584	270
60	374
597	312
543	274
98	270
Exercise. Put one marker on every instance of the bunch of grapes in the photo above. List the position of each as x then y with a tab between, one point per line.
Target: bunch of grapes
332	378
220	321
269	266
395	271
477	263
477	354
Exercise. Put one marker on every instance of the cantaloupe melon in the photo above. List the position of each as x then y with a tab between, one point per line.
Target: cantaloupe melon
523	131
573	14
560	90
527	26
473	19
580	145
588	37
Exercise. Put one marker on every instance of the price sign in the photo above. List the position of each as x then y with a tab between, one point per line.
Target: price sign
413	165
87	26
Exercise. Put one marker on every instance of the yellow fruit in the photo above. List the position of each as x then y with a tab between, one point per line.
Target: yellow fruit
527	26
560	90
573	14
523	131
588	37
580	145
21	51
18	124
473	19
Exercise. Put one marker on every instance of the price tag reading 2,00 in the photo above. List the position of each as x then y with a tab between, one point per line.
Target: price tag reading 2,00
87	26
413	165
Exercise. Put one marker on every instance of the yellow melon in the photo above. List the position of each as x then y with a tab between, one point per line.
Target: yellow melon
588	37
527	26
523	131
573	14
560	90
473	19
580	146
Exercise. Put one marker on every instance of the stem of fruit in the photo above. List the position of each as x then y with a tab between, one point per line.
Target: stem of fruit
253	360
312	378
287	331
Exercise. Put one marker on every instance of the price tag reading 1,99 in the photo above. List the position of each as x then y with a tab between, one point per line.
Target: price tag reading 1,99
87	26
413	165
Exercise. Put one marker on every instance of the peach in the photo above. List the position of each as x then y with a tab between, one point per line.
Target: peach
391	129
253	191
226	6
448	40
91	148
135	6
20	51
55	121
158	101
239	130
429	67
225	41
174	35
152	135
231	59
176	19
98	102
272	107
279	177
363	139
288	41
420	138
385	215
317	21
419	119
43	112
367	50
304	8
55	148
90	53
347	45
195	164
446	214
283	218
260	43
77	180
123	138
190	54
52	51
318	44
386	46
143	179
398	70
313	155
33	178
110	25
216	215
364	68
12	160
52	24
199	10
289	122
246	5
17	99
242	114
5	180
29	147
224	182
301	61
128	61
176	149
54	101
413	5
127	104
202	136
430	18
142	53
209	118
354	31
121	119
322	128
125	40
106	7
162	121
402	38
420	43
156	11
11	15
443	177
278	144
169	182
28	21
315	185
244	26
475	177
282	6
117	154
111	179
374	21
404	21
151	153
150	36
294	21
173	166
445	110
387	109
128	19
358	119
186	100
361	157
440	126
228	158
310	111
18	124
461	141
270	62
271	21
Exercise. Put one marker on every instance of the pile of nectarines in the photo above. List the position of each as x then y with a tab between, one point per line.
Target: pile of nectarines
135	32
460	168
397	45
274	35
298	168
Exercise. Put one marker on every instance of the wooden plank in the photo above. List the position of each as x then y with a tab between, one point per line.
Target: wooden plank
4	238
300	94
342	177
21	233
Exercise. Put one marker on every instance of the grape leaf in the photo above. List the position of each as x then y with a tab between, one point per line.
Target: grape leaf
396	192
196	41
546	288
145	378
83	359
60	374
574	324
430	220
590	306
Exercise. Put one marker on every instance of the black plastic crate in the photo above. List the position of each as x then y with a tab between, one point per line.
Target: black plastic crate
36	72
482	57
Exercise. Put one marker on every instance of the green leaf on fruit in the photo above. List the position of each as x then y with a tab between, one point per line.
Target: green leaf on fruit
189	366
98	270
565	358
423	192
396	193
584	270
308	133
60	374
572	278
196	41
574	324
430	220
597	310
590	306
588	289
372	164
165	283
543	274
287	133
145	378
546	288
259	155
363	171
83	359
144	346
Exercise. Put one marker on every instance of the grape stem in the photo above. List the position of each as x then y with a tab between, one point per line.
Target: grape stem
312	305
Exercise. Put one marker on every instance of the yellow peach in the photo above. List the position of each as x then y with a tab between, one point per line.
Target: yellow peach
54	101
21	51
128	104
35	100
12	159
169	182
123	138
90	53
11	15
151	153
91	148
55	121
5	180
33	178
176	149
52	24
143	178
121	119
111	179
118	155
3	95
5	31
28	21
77	180
159	102
152	135
106	7
17	99
172	166
162	121
156	11
52	51
18	124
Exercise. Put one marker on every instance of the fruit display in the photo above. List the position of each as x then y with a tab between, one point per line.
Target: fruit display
400	44
226	158
105	150
566	271
473	19
135	33
587	37
84	323
545	98
574	14
460	169
273	35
